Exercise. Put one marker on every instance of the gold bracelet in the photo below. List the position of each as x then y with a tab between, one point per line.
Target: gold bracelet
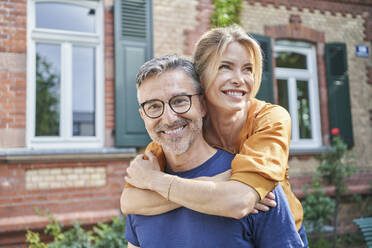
174	177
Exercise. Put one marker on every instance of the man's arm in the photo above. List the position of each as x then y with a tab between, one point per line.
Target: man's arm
227	198
132	246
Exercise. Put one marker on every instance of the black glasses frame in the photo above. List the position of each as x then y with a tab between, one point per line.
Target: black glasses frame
163	103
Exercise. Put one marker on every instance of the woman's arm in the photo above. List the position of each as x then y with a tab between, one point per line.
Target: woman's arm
225	198
262	161
146	202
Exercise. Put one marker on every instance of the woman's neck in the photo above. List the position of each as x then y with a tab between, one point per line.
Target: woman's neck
222	127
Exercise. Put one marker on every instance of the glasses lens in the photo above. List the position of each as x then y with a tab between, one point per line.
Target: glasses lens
180	104
153	108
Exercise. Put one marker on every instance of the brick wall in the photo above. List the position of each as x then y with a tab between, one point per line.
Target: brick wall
170	19
12	73
109	74
59	190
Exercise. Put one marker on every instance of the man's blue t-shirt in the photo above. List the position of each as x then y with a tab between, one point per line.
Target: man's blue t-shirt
183	227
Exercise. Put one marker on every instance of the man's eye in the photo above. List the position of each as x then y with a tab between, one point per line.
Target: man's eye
153	106
179	101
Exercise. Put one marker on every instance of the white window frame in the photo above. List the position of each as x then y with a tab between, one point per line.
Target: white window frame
66	39
310	75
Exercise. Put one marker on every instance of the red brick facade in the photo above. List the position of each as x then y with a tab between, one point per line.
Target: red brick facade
205	8
109	70
17	204
13	83
353	7
17	201
92	204
87	204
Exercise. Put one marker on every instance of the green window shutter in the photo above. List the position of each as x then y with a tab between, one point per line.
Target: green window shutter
266	91
338	91
133	47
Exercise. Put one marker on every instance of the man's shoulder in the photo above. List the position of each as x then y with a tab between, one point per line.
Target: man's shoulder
222	155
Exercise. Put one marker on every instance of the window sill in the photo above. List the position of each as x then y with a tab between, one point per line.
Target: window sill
50	155
293	151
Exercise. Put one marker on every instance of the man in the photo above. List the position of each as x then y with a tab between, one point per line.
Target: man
172	109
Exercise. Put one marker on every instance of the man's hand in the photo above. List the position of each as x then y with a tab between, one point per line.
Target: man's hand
140	170
264	204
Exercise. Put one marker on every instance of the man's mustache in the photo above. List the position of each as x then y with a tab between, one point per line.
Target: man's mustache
181	122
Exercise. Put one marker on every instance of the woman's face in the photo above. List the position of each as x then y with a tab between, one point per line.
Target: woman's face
231	89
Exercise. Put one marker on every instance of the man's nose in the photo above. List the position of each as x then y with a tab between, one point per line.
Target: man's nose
169	116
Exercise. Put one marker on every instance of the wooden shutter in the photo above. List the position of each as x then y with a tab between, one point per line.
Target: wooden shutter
266	91
133	46
338	91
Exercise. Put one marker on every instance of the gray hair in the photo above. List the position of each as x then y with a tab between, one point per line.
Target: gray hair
165	63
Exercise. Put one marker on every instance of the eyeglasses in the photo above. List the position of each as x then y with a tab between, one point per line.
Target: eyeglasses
180	104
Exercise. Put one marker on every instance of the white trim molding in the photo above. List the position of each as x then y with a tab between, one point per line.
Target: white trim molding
309	75
66	40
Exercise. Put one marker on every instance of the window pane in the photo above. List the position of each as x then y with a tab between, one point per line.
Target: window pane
48	66
65	16
303	108
83	90
290	60
283	93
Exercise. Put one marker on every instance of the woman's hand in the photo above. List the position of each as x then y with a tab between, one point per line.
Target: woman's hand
140	170
265	204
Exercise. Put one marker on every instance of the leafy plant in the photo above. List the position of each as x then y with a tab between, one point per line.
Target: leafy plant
335	166
34	240
110	236
318	208
104	235
226	13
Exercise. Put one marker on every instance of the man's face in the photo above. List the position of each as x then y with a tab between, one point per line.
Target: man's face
174	132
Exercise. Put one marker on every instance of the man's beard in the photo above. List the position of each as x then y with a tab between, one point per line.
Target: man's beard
180	144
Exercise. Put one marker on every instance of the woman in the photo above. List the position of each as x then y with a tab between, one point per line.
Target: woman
229	64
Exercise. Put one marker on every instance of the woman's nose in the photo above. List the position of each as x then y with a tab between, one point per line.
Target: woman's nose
238	79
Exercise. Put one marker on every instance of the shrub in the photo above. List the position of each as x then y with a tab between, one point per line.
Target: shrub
107	235
318	208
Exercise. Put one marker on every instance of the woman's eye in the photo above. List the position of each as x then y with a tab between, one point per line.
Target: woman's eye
249	69
223	67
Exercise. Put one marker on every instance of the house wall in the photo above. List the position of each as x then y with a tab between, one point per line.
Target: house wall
12	73
84	187
52	181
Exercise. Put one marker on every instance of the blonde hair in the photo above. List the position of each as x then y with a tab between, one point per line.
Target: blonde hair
211	46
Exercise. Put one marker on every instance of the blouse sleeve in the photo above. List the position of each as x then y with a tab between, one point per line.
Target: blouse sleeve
158	152
262	161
